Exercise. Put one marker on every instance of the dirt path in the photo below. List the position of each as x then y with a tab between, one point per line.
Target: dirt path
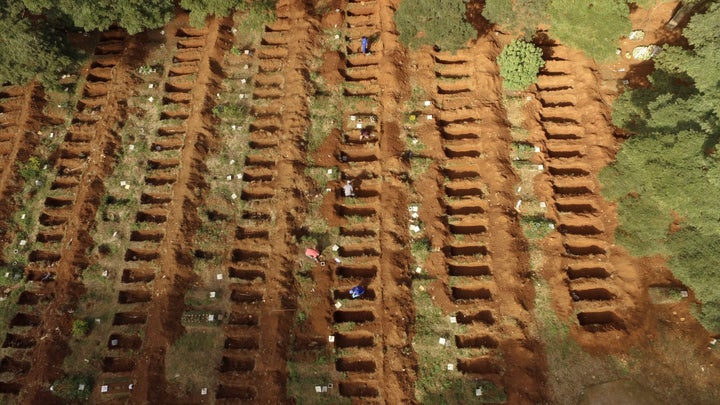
84	159
398	313
590	277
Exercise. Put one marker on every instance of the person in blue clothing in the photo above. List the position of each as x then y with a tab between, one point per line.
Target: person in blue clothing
357	291
364	45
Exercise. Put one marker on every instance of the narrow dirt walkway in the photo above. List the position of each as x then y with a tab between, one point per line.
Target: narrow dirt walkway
398	312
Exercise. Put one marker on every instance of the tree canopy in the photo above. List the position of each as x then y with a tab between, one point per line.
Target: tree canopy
133	15
29	49
34	44
667	176
200	9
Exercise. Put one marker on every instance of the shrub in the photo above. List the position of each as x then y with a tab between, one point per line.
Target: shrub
519	63
433	22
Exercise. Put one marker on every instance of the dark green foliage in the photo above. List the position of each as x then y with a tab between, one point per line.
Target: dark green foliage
200	9
133	15
595	27
434	22
518	16
29	49
519	63
670	167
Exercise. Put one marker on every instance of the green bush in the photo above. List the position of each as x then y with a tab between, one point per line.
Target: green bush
434	22
595	27
31	169
80	328
519	63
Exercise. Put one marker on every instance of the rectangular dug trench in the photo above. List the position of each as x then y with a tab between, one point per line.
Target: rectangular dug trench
236	364
479	365
359	389
600	321
356	316
235	392
469	269
468	317
469	293
355	364
359	338
586	270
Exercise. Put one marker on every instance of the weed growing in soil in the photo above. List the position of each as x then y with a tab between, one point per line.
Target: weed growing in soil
436	384
536	227
80	328
418	166
68	388
305	376
434	22
189	358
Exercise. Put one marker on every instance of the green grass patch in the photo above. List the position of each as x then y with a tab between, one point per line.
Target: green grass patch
74	388
190	361
306	375
436	384
419	166
434	22
536	227
575	23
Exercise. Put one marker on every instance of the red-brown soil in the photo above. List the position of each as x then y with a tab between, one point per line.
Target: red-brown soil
91	162
479	256
482	246
20	120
